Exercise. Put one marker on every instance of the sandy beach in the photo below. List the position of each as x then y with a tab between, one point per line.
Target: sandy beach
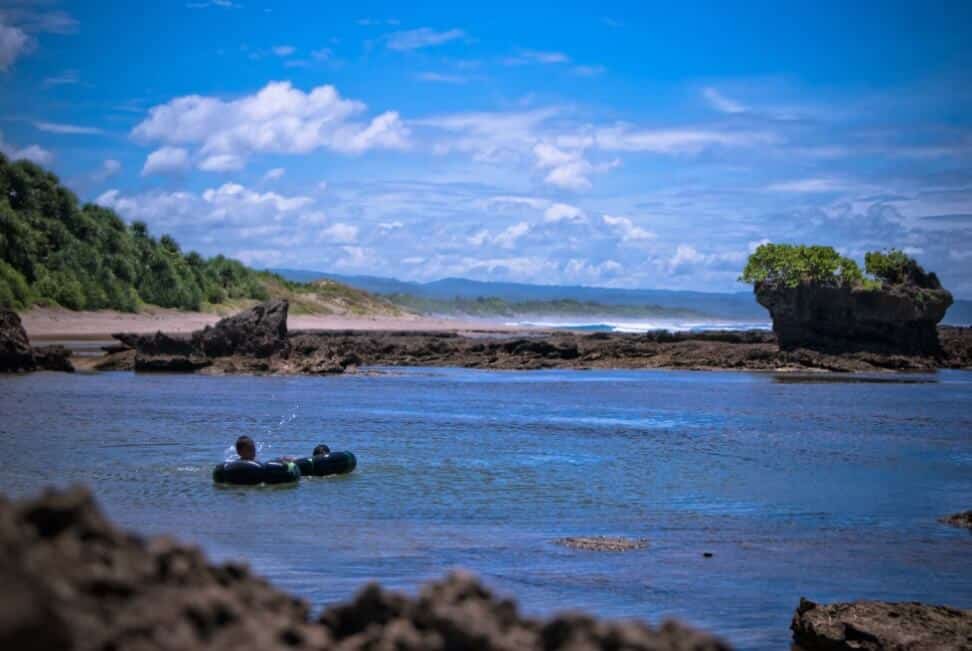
59	324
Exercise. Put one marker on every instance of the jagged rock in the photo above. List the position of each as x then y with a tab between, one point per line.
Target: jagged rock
170	363
897	318
15	352
53	358
963	519
878	625
260	331
603	543
70	580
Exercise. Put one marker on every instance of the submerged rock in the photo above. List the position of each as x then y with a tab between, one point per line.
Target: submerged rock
603	543
963	519
15	352
898	317
70	580
53	358
878	625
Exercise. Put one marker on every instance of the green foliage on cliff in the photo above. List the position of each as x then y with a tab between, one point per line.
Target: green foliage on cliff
53	250
790	264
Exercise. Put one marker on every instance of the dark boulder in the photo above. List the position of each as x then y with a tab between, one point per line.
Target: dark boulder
15	351
53	358
963	519
260	331
878	625
895	318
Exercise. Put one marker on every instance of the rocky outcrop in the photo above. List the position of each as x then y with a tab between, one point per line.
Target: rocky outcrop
70	580
897	318
880	626
15	351
258	332
603	543
17	355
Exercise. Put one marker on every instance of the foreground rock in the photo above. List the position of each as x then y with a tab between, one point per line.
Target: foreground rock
877	625
17	355
70	580
897	318
963	519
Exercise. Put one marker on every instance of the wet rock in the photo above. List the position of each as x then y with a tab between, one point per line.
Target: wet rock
603	543
963	519
15	352
877	625
898	317
260	331
53	358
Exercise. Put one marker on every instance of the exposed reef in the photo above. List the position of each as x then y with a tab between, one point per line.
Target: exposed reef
603	543
18	356
878	625
257	341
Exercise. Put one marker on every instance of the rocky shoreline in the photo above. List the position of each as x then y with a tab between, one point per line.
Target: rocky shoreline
70	579
257	341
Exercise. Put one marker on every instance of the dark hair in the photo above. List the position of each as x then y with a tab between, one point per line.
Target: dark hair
321	449
244	442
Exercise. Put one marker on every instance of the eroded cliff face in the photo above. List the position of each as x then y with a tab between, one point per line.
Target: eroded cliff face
898	318
18	356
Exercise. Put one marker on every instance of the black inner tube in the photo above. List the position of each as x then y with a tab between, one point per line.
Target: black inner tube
253	473
335	463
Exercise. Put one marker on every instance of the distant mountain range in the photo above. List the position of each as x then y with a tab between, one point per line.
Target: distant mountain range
738	306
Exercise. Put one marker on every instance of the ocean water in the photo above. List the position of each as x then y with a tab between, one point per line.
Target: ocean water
828	488
640	325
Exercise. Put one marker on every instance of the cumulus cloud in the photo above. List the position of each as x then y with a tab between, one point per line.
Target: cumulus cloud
109	168
628	230
274	174
507	239
339	233
33	153
524	57
277	119
563	212
283	50
166	160
422	37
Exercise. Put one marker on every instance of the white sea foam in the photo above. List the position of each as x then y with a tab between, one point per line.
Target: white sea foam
646	326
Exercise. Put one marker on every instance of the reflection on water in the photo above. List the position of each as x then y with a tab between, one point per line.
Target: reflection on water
818	489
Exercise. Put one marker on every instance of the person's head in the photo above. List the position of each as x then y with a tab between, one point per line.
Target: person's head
321	449
246	448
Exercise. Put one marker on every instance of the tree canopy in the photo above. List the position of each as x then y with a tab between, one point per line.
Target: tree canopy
792	264
53	250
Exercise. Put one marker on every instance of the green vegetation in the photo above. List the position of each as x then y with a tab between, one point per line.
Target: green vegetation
493	306
54	251
790	265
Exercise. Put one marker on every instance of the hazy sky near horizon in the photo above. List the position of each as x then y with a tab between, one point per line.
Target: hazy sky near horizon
616	144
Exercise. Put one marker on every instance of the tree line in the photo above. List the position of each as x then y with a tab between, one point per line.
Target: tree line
85	257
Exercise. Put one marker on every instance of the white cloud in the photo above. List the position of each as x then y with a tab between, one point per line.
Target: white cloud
33	153
721	103
66	78
524	57
507	239
233	195
277	119
339	234
441	78
283	50
563	212
589	71
676	141
166	160
628	230
109	168
54	127
323	54
13	43
808	185
415	39
566	169
274	174
222	163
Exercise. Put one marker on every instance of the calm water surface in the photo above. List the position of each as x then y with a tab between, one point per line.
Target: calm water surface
826	490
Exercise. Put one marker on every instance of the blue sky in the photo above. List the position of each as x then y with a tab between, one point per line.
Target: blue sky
626	145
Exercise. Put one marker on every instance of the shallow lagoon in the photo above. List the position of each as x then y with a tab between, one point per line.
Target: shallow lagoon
823	489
